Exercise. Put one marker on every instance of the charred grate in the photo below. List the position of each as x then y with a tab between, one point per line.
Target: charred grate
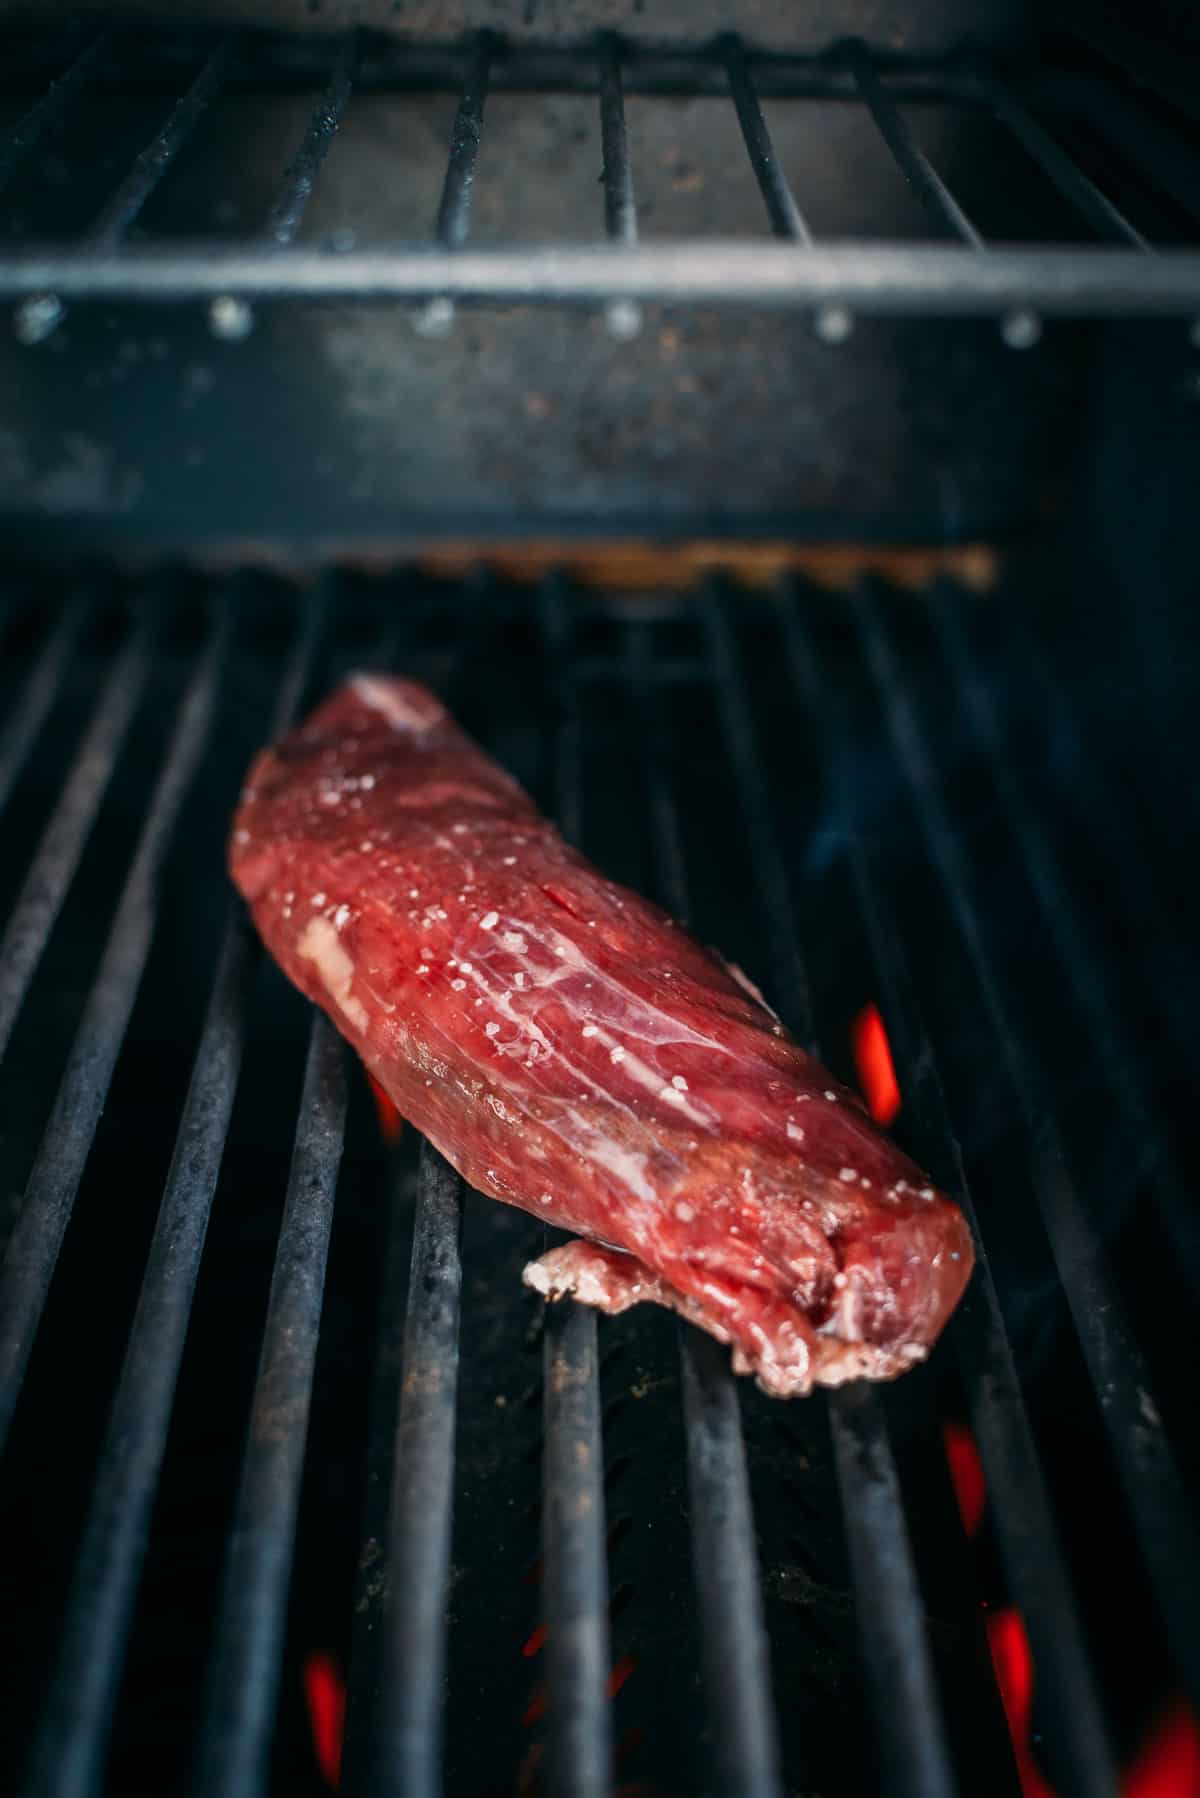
1124	241
911	794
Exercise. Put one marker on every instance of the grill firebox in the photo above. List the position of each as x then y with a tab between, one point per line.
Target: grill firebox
244	1405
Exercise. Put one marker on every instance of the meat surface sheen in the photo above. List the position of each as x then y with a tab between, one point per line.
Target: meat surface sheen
572	1051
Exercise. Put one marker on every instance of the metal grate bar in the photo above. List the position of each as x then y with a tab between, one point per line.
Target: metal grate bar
574	1554
1076	187
736	1657
892	1636
620	207
1021	1511
454	211
924	280
57	855
782	210
28	132
725	1559
69	1750
290	203
405	1752
575	1576
1164	161
1070	934
1145	1464
152	164
915	166
911	1733
403	65
624	317
370	1591
66	1143
29	712
234	1747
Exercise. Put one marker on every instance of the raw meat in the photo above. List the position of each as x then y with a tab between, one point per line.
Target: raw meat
571	1051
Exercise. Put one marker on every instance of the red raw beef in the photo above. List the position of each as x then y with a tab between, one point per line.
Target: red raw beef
571	1051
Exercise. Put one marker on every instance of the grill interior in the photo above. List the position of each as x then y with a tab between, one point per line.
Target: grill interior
377	292
957	806
1140	201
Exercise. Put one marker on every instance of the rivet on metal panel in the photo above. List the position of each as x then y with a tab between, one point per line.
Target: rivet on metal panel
435	318
624	319
230	318
833	324
35	319
1021	329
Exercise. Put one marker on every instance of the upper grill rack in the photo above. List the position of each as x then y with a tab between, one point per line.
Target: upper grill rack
394	1742
1109	264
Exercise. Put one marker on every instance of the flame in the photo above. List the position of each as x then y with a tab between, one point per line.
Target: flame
620	1673
876	1070
1168	1763
535	1710
325	1692
1008	1641
1012	1660
966	1474
390	1121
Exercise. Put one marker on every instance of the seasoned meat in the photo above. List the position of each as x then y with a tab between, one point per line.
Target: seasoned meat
572	1051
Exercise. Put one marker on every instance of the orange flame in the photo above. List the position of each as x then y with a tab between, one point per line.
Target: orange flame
325	1692
876	1070
390	1121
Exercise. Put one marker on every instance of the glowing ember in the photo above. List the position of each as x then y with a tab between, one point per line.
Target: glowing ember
1168	1763
966	1473
325	1694
620	1674
876	1070
390	1121
1012	1660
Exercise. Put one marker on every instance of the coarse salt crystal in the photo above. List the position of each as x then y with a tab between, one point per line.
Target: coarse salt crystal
848	1173
317	899
679	1083
588	1030
618	1054
491	1029
341	916
489	920
458	985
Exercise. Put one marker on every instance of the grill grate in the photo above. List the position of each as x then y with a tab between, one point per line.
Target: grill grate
1129	271
717	691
